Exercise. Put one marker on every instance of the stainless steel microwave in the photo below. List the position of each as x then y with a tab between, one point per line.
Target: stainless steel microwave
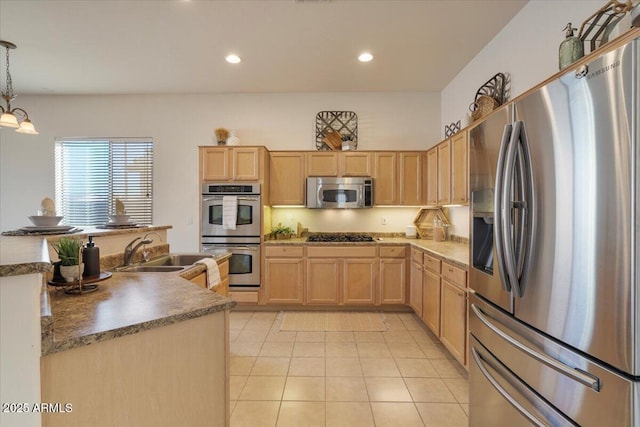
339	193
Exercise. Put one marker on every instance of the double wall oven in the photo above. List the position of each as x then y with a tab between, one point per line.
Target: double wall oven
243	239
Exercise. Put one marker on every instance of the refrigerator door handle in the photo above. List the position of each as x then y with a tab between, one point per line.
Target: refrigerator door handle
582	377
480	363
497	199
527	207
506	205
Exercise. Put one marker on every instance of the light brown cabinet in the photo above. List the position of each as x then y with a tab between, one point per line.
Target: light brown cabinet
223	287
359	278
444	173
453	321
323	281
231	163
354	163
392	275
284	274
287	178
386	178
411	177
415	282
431	294
459	169
322	163
432	176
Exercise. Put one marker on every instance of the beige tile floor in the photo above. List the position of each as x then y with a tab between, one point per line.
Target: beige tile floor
401	377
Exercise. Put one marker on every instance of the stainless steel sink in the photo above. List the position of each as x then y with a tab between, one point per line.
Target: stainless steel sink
151	268
182	260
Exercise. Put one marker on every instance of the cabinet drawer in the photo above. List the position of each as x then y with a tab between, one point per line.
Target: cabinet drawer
432	264
416	256
392	252
284	251
341	252
455	275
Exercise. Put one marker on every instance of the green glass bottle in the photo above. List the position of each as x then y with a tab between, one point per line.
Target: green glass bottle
571	49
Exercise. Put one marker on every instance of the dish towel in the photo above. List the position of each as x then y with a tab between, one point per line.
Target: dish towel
213	272
229	212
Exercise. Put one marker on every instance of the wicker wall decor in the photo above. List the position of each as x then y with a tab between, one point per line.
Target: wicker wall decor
345	123
490	95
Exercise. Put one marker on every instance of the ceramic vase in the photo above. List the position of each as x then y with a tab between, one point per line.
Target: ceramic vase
71	273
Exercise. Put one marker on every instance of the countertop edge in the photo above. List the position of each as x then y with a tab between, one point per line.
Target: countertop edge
51	346
25	268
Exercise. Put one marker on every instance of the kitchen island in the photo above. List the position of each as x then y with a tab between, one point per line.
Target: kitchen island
144	349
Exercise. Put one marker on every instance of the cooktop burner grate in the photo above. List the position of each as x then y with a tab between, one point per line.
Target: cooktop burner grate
339	237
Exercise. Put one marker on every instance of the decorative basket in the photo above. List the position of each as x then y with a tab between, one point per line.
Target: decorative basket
482	106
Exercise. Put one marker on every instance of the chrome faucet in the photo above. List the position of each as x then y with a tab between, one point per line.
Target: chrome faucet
130	249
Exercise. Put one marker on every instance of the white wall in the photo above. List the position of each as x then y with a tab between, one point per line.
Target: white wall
526	48
178	124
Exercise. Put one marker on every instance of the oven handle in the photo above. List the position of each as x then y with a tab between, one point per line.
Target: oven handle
244	199
241	248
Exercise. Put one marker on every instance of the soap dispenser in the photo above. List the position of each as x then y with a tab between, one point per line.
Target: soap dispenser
571	49
91	259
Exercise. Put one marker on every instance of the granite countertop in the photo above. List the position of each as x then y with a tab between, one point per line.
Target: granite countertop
30	254
125	304
457	253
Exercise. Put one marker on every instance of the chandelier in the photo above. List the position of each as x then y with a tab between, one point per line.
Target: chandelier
9	117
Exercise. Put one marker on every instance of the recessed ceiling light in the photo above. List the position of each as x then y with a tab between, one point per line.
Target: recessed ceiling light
233	58
365	57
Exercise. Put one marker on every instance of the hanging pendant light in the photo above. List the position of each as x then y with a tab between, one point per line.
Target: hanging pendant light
9	117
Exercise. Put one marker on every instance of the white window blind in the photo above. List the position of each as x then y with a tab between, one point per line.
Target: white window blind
91	173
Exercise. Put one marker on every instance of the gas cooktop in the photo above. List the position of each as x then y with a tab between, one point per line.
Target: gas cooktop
339	237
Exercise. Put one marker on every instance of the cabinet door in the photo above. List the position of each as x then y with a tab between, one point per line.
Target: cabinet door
322	164
283	280
359	279
453	320
432	176
355	164
286	178
214	164
385	184
323	281
246	164
392	280
459	169
410	178
444	173
431	301
415	288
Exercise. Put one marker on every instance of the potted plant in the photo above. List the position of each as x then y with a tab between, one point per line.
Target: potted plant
68	250
282	232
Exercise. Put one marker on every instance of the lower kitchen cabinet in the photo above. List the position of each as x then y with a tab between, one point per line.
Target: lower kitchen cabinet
283	280
415	288
323	281
392	281
453	320
431	301
359	277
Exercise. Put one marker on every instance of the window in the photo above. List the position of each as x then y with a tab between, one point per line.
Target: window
92	173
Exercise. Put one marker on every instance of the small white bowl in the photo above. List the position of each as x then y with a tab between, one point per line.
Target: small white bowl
119	219
45	220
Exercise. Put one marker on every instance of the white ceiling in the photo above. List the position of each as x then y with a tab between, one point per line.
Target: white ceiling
162	46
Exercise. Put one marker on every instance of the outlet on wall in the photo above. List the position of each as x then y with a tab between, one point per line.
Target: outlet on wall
383	220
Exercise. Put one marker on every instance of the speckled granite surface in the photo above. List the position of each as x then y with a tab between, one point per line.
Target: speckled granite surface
125	304
456	253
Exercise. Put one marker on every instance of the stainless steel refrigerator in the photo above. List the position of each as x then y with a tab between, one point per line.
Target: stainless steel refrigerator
555	305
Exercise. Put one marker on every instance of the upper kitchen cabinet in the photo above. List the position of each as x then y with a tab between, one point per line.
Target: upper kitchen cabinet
385	178
432	176
459	168
232	163
353	163
322	163
411	173
287	178
444	173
